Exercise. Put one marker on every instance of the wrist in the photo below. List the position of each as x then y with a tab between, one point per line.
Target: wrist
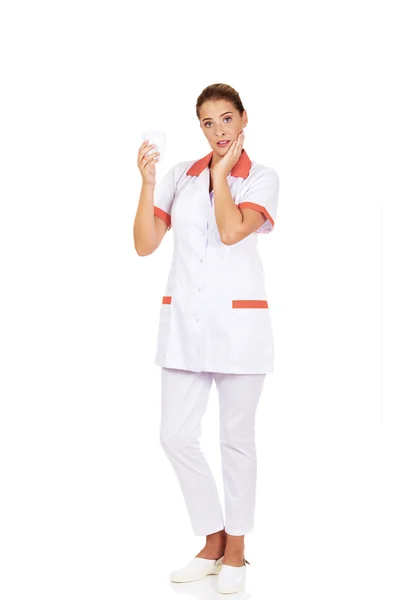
219	179
219	176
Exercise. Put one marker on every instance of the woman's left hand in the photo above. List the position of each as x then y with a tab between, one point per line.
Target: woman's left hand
225	165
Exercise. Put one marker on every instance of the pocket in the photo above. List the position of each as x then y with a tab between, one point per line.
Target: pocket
164	324
251	333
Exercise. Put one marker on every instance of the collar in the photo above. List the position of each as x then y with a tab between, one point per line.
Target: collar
240	169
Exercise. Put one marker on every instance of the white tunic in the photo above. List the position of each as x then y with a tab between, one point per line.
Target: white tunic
214	314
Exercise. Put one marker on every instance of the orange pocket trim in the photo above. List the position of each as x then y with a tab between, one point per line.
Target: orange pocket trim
167	299
249	304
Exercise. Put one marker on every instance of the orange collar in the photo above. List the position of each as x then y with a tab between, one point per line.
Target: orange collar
240	169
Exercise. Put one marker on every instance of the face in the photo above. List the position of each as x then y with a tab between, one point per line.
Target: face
220	120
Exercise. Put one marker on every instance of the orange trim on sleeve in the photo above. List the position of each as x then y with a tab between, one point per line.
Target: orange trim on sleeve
258	207
167	299
249	304
159	212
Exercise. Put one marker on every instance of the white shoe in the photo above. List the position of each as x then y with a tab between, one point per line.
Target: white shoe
232	579
197	568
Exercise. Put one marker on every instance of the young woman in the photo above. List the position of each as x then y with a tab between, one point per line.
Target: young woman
214	322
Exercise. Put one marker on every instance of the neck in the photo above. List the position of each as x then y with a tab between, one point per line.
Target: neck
214	160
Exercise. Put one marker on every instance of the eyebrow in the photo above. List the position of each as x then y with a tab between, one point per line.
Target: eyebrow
225	113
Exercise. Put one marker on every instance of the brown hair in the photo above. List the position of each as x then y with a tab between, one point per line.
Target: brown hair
220	91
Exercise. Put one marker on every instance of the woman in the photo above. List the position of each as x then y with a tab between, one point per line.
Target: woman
214	322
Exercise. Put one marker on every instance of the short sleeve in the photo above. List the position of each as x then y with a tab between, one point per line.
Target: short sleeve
164	195
262	194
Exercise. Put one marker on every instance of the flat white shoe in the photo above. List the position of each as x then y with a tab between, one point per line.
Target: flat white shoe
197	568
232	579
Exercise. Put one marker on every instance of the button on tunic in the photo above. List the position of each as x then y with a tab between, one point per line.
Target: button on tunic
214	313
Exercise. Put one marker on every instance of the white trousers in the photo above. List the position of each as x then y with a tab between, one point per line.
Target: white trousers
184	397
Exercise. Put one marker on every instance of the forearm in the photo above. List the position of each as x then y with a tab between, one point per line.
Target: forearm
144	231
227	215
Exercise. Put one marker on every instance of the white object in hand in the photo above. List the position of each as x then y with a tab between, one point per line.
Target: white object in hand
157	137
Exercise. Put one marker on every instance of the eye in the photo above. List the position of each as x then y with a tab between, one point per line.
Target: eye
209	122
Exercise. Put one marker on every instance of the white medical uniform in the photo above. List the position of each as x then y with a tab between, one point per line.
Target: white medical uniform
214	325
214	315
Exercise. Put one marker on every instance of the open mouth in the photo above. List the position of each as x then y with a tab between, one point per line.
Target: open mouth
224	143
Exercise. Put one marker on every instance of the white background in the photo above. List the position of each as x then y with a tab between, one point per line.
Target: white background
90	506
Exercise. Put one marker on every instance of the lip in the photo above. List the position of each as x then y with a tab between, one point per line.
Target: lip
225	144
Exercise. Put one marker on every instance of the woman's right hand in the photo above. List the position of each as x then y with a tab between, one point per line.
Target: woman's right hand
147	164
